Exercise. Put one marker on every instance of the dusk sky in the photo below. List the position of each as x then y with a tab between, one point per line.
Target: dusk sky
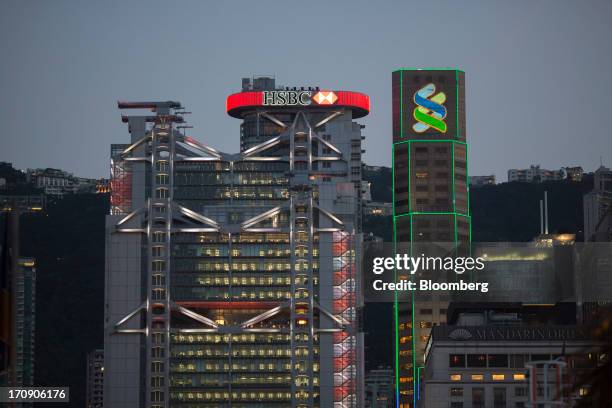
538	79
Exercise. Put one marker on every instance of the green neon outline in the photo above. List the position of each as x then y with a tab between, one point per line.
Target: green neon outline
401	74
431	141
395	302
458	132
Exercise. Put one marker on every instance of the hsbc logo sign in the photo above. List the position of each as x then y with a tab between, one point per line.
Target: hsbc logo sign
298	98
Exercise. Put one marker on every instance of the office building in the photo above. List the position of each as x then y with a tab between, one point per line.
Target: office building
94	392
17	293
597	206
232	279
25	321
380	388
430	195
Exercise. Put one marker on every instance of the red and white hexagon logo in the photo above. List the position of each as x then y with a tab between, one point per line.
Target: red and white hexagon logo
325	98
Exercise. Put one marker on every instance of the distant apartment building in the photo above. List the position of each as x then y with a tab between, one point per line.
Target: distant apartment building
479	181
536	174
95	379
597	206
379	388
58	182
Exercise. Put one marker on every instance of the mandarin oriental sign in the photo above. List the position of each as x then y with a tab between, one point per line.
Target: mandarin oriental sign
479	333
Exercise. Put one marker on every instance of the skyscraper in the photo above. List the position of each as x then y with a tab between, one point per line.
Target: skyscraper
431	196
94	394
232	279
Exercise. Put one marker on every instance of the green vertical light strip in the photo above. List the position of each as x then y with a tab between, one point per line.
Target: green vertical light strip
467	185
412	322
401	104
458	132
452	146
409	174
395	302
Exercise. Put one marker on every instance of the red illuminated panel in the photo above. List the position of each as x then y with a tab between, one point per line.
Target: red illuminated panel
243	100
353	100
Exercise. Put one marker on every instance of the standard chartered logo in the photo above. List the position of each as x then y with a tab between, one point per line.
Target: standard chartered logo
430	111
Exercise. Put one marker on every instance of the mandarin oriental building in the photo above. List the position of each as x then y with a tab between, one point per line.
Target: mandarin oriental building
232	280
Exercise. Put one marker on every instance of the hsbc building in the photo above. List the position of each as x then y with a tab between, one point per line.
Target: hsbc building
243	268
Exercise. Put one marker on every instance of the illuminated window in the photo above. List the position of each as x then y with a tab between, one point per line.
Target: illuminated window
421	174
455	377
476	360
477	377
456	360
518	377
498	377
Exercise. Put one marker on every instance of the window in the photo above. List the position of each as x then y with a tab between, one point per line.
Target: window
420	150
476	360
421	163
478	397
498	377
518	377
477	377
455	377
517	361
520	391
456	404
456	360
456	392
498	360
440	163
157	382
326	164
425	311
499	397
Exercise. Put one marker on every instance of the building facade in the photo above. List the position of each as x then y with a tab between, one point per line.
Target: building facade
94	393
430	196
380	388
25	321
232	279
597	205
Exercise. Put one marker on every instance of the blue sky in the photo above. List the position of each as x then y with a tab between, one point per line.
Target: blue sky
537	72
